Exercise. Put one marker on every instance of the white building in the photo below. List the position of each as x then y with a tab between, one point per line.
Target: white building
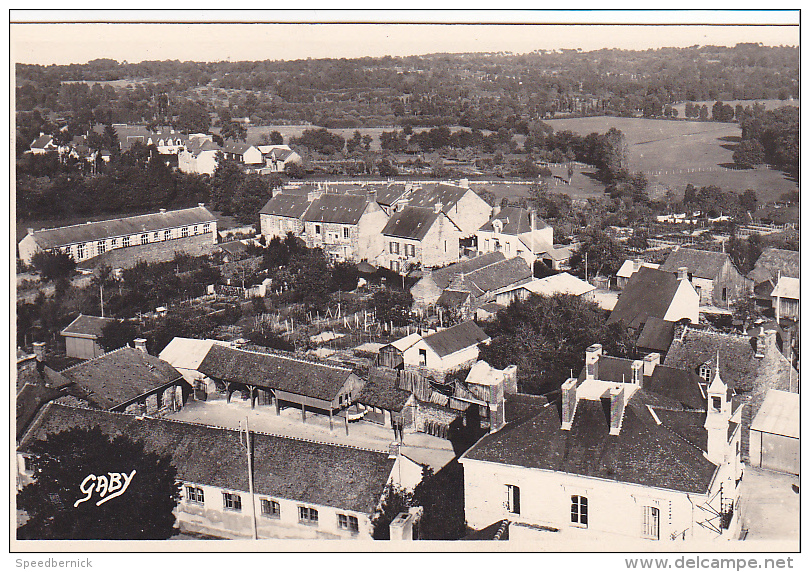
516	232
446	350
562	283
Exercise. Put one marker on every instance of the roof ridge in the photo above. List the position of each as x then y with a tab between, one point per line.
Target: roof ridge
282	356
89	222
94	359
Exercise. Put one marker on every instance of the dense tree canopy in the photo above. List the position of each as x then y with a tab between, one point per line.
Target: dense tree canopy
61	467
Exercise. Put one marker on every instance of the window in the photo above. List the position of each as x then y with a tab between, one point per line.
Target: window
125	242
79	251
195	229
579	510
207	227
348	522
184	232
144	239
422	357
445	246
650	527
114	243
507	247
512	499
317	229
715	403
346	232
391	247
725	294
231	501
705	372
307	515
271	508
101	246
155	236
195	494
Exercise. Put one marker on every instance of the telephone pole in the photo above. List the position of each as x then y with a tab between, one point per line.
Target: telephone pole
249	448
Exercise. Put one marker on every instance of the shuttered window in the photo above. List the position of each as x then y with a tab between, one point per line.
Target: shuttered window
650	522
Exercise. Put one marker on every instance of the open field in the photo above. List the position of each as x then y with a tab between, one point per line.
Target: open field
675	153
768	103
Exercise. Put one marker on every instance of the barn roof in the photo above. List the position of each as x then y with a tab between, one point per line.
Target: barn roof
456	338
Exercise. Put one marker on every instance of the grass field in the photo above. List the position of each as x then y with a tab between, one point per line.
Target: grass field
675	153
768	103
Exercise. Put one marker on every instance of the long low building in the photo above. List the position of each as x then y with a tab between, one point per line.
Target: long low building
302	489
122	242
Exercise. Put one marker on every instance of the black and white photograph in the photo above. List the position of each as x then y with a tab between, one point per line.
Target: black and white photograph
370	281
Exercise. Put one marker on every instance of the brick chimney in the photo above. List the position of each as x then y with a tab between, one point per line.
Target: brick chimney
592	354
650	361
39	351
510	379
618	400
569	402
140	344
638	371
683	273
437	208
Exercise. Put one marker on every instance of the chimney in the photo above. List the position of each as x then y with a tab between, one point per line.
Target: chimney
402	527
636	265
437	208
683	273
201	205
30	230
464	183
140	344
762	343
617	403
393	450
162	211
592	354
510	380
569	402
39	351
372	195
638	371
650	361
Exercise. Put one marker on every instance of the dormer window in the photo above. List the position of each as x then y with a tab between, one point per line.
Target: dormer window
705	372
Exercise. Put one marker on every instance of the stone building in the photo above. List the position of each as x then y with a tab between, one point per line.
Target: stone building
82	336
283	214
419	237
713	275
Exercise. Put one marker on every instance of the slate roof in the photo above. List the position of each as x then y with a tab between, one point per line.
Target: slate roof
657	335
443	276
452	298
381	390
498	275
643	453
738	364
235	147
679	385
786	288
87	326
456	338
411	222
523	406
771	261
62	236
648	293
29	400
332	208
343	477
275	371
42	142
198	145
778	414
233	247
282	204
120	376
515	221
701	263
429	195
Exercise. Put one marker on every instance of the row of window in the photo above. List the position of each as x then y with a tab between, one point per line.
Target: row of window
650	526
346	231
83	250
407	249
271	508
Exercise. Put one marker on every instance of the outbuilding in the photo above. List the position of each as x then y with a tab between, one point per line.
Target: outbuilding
774	441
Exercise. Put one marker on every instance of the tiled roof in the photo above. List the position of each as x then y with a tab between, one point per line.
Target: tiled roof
430	195
411	222
291	206
738	364
452	298
197	145
332	208
778	414
91	326
523	406
346	478
381	390
787	288
443	276
496	531
235	147
649	293
643	453
499	275
275	371
41	142
29	399
657	335
456	338
562	283
772	261
62	236
701	263
120	376
515	221
233	247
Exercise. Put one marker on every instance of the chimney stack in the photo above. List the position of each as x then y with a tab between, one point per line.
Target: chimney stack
510	379
617	403
393	450
762	343
402	527
30	230
464	183
437	208
569	402
592	354
650	361
683	273
372	195
636	265
162	211
201	205
638	371
140	344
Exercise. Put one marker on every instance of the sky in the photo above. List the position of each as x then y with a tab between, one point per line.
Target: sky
63	43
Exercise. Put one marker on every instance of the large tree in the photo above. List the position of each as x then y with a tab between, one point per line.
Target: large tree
53	265
62	465
546	337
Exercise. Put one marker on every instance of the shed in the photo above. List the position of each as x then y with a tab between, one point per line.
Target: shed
774	441
82	336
